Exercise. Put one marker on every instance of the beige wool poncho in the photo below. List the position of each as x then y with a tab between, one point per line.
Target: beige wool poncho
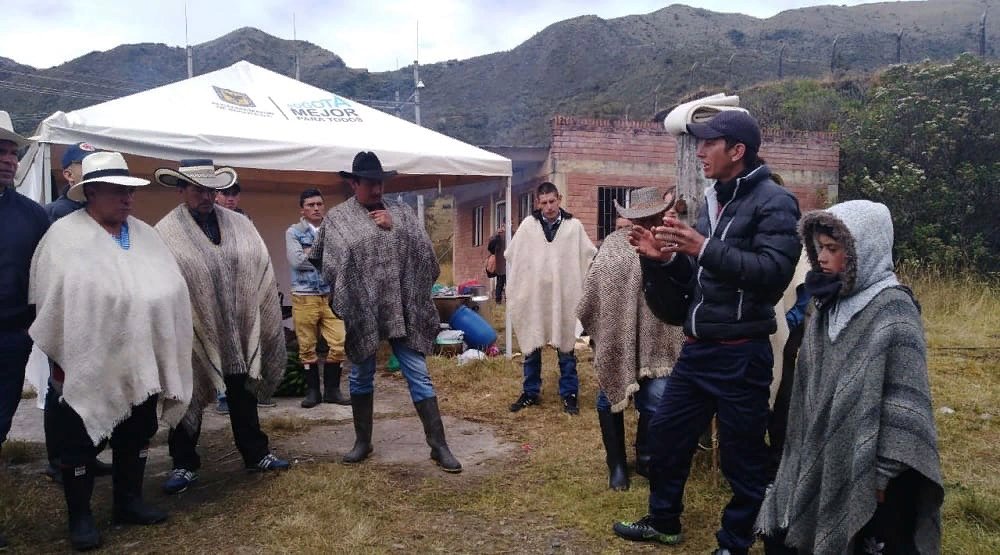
117	321
545	282
630	343
234	301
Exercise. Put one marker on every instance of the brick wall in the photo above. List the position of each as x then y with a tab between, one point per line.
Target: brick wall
587	154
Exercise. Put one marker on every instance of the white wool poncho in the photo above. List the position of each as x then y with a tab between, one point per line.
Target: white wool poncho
545	283
117	321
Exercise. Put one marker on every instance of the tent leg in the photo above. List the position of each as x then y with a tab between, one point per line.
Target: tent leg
508	334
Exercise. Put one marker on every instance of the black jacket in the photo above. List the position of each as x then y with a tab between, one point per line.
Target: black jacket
748	259
550	232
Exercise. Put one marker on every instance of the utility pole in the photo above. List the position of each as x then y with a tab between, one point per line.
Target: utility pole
295	45
899	47
729	72
982	34
833	55
187	44
417	85
781	61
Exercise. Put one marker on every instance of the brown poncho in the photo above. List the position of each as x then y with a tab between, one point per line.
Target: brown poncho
629	342
380	280
234	301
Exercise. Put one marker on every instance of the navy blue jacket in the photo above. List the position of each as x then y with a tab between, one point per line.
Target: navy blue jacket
22	224
748	259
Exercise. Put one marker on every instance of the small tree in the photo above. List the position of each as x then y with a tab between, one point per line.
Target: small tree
927	146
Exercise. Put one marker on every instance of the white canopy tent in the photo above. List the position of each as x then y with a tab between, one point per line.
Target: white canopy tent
250	117
264	124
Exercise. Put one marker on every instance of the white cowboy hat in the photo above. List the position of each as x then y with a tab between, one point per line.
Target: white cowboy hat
7	131
104	167
199	172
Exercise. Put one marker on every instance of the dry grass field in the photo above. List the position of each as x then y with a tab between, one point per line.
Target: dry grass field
551	496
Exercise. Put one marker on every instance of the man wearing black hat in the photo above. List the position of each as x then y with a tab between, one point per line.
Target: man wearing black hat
734	265
72	167
380	265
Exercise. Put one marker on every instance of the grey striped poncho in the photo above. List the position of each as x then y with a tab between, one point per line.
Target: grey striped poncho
860	400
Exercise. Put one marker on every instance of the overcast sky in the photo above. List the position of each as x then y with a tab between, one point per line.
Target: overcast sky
376	34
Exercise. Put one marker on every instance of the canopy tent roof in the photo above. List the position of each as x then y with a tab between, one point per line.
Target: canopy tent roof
250	117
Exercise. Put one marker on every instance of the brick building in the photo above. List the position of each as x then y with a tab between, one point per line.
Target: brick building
593	162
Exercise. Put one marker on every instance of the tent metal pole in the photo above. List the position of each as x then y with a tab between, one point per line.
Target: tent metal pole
508	334
47	172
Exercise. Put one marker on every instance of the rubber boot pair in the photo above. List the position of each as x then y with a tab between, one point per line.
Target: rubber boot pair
331	385
613	434
430	417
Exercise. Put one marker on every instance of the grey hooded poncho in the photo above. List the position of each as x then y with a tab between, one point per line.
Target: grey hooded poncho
380	280
861	407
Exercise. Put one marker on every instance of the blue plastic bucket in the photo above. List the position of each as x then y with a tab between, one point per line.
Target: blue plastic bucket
478	333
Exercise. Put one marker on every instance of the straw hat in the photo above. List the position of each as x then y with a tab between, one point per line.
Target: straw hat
644	203
197	171
104	167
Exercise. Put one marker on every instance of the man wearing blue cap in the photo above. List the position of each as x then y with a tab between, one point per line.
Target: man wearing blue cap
733	266
72	161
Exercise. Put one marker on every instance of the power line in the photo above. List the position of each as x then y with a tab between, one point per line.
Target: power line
74	81
56	92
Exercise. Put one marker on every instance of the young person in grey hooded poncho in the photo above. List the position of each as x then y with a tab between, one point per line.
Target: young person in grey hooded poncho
860	470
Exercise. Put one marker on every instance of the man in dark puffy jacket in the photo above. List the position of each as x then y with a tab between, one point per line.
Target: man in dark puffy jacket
732	267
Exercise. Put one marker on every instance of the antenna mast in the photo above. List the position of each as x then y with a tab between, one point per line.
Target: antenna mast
187	44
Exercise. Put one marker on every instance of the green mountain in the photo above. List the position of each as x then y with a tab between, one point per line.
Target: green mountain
630	66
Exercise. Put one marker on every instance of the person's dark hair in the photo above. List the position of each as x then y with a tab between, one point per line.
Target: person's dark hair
232	190
308	193
750	157
546	188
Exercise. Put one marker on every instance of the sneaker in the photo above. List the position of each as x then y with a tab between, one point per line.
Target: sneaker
179	480
269	462
570	405
525	400
722	551
223	406
642	531
266	403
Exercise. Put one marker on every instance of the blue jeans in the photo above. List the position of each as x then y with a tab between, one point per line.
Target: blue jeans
646	399
411	362
733	382
15	346
569	382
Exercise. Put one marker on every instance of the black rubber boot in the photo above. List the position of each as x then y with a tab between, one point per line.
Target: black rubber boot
313	398
613	434
331	384
78	486
642	455
430	416
126	479
362	406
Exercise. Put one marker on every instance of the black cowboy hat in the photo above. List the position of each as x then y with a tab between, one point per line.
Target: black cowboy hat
367	166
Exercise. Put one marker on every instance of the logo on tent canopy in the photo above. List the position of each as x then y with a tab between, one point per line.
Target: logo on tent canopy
234	97
332	109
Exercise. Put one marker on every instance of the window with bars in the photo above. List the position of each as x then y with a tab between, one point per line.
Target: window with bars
500	216
525	205
477	226
606	213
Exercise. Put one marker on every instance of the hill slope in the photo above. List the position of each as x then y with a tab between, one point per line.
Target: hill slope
623	67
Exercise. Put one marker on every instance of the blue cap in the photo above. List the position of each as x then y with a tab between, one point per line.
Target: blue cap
734	124
76	153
